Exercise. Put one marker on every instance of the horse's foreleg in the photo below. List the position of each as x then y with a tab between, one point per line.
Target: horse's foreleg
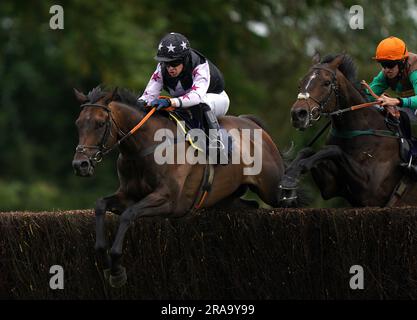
328	152
353	170
305	160
301	155
290	179
305	163
342	164
154	204
116	203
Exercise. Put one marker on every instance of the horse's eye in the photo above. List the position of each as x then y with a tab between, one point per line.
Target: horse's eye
101	124
327	83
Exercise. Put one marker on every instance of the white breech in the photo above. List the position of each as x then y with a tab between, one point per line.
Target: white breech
218	102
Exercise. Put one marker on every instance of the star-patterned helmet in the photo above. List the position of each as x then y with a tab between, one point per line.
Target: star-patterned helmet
173	46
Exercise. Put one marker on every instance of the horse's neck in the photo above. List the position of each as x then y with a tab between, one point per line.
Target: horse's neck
362	119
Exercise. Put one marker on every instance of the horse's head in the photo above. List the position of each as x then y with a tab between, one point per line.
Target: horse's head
94	130
318	93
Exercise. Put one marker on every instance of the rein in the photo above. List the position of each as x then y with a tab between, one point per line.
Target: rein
359	106
132	131
353	108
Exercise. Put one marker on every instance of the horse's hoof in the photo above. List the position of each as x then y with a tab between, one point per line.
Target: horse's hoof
119	279
106	273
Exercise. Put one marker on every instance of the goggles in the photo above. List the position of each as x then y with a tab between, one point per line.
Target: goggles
173	64
388	64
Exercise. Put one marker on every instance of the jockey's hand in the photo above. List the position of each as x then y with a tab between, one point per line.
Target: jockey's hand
388	101
390	104
161	103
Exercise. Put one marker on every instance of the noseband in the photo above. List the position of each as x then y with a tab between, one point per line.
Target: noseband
317	111
101	148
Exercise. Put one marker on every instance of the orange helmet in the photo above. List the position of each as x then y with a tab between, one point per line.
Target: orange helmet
391	48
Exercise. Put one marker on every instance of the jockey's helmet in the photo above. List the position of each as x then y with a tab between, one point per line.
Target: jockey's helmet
173	46
391	48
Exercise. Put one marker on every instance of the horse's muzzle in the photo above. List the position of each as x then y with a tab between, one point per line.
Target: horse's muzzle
83	168
300	118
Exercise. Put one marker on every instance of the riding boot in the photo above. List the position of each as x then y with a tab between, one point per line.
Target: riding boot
216	139
405	125
405	132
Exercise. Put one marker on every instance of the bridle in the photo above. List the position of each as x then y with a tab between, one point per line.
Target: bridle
102	148
317	111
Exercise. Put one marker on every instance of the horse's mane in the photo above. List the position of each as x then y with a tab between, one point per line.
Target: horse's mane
348	69
122	95
96	94
126	96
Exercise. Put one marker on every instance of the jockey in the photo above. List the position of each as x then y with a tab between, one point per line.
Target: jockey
399	72
189	77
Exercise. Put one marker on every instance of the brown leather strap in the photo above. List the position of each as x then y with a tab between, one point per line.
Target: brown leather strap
399	191
204	189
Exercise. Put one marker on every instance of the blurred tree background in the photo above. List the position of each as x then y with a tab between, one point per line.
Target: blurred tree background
263	48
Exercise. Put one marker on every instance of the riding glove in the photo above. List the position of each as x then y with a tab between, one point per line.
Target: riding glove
161	103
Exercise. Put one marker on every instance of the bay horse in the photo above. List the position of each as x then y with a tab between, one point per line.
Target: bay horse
360	161
148	189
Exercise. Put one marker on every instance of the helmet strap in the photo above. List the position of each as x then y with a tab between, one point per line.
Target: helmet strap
401	67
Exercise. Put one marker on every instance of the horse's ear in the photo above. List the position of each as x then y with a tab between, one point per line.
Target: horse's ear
316	58
111	96
337	61
115	94
80	96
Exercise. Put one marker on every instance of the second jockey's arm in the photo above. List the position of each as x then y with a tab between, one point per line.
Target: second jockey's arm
378	86
409	102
